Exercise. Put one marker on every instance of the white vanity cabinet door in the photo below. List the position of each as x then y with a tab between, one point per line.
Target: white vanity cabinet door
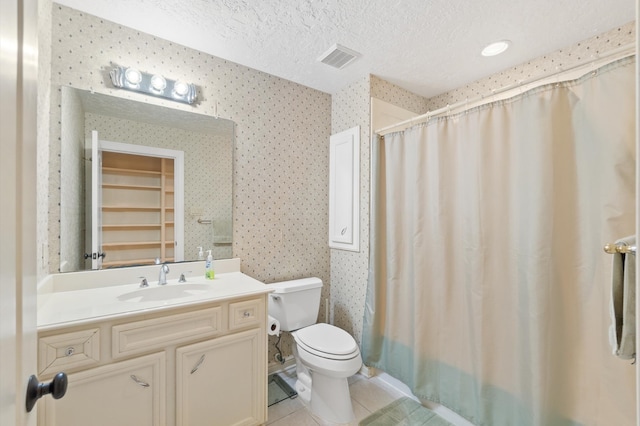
125	393
222	382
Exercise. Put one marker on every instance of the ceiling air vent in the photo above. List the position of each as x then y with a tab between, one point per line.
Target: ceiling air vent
338	56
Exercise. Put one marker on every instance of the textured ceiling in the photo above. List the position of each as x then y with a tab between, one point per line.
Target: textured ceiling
426	46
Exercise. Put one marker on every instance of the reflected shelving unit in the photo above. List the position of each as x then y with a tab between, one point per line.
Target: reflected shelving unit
137	209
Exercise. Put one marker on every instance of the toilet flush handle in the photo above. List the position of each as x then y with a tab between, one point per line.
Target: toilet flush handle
275	296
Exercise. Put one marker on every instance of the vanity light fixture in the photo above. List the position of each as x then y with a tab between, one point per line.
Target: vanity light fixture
496	48
153	84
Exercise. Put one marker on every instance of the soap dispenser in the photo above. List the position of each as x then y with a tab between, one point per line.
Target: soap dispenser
209	272
200	254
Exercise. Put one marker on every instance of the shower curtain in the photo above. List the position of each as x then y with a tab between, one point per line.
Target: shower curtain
488	287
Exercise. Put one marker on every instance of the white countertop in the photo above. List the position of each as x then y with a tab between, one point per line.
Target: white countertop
65	307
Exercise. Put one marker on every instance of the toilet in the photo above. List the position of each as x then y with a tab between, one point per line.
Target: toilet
325	355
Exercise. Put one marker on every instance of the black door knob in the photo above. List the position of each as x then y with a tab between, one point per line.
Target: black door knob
36	390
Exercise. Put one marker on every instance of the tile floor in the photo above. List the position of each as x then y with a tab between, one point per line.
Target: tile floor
367	396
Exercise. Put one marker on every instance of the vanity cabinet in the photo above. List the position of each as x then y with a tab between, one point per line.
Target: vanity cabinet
204	365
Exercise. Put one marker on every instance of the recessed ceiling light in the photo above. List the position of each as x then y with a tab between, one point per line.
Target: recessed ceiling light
496	48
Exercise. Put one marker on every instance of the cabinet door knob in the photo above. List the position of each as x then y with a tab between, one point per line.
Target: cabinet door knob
36	390
247	314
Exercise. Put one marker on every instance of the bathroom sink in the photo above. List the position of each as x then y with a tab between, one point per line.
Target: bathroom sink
113	293
165	292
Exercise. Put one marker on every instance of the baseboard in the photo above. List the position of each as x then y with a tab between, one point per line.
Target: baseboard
368	372
276	367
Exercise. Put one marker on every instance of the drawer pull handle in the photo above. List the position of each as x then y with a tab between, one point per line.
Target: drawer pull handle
140	382
69	351
198	364
247	314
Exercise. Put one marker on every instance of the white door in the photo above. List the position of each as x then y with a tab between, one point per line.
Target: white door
637	210
96	202
344	194
18	260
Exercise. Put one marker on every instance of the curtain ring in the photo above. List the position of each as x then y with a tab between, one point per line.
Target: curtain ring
558	71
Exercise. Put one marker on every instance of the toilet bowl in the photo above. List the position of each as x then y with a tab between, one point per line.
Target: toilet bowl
325	355
331	356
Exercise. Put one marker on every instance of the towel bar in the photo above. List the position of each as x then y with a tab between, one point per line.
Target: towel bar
614	248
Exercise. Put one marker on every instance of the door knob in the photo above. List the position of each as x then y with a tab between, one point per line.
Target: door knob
36	390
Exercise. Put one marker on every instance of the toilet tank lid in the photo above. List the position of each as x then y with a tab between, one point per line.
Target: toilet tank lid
296	285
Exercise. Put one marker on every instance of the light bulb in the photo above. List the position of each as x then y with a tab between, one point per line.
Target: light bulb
133	76
158	82
181	88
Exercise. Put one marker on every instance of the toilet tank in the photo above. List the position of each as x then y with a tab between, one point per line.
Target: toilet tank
295	303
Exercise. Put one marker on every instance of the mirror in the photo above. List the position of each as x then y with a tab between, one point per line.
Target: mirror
206	219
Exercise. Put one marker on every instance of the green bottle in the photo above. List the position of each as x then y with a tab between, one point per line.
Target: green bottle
209	272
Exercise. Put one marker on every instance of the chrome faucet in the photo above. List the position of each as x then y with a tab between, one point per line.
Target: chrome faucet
164	270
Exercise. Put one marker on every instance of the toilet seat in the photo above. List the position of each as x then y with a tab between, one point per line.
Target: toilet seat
327	341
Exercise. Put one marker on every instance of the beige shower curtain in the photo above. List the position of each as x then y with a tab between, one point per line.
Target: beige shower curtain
489	289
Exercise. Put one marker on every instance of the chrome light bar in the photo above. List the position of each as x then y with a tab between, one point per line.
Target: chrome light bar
153	84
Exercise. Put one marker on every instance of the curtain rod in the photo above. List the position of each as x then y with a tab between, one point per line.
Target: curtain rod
612	55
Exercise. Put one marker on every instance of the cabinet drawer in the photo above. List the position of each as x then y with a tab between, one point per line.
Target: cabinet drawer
142	336
68	351
245	314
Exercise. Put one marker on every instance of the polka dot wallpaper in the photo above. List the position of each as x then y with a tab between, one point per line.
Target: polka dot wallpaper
388	92
281	170
351	107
